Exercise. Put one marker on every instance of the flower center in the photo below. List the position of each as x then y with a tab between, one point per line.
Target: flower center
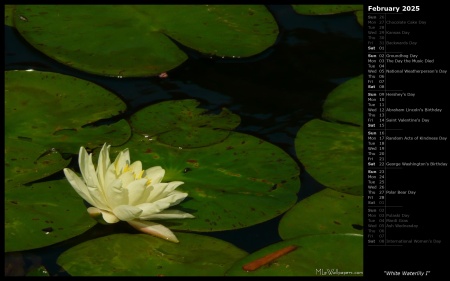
137	176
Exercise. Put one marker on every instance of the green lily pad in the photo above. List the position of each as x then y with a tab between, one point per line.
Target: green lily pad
327	211
27	161
56	111
43	214
9	10
331	10
326	9
138	40
333	154
316	255
345	102
360	17
239	182
145	255
181	124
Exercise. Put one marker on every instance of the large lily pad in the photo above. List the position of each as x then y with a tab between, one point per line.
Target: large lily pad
327	211
333	154
138	40
316	255
43	214
56	110
326	9
145	255
345	103
181	124
26	161
358	10
239	182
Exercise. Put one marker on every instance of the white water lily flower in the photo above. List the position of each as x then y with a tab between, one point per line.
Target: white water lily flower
121	191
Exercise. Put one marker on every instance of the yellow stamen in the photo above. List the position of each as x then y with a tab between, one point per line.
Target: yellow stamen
126	168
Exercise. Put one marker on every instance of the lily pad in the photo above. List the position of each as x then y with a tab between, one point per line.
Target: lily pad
331	10
333	154
26	161
9	10
57	111
327	211
43	214
360	17
140	40
345	102
239	182
181	124
145	255
326	9
315	255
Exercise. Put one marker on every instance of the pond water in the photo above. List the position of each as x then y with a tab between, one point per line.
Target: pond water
274	93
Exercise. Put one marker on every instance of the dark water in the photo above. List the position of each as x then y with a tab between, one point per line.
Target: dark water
274	93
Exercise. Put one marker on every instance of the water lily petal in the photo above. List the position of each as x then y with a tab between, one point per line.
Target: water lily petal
156	192
122	160
127	212
103	164
172	186
151	208
116	195
101	216
162	189
83	162
89	174
127	178
109	217
154	229
94	212
110	175
167	214
155	174
88	193
87	168
79	185
98	198
136	167
138	192
174	198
